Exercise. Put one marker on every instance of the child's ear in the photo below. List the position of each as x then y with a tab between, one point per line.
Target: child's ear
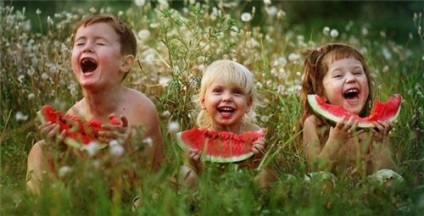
249	105
202	103
127	63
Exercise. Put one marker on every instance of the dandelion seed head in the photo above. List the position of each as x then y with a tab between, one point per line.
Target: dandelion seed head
364	31
21	78
281	13
38	11
334	33
385	68
166	113
246	17
148	141
92	148
113	142
173	127
63	171
31	96
293	57
44	76
264	118
19	116
143	34
139	3
117	150
30	71
272	11
326	30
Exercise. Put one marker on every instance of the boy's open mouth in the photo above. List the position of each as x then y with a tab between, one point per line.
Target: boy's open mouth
351	94
88	65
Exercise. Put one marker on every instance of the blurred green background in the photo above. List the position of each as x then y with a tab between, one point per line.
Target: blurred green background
395	18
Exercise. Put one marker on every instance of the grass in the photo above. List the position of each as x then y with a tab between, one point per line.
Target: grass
174	47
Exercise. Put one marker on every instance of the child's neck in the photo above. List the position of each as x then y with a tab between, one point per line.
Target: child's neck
100	104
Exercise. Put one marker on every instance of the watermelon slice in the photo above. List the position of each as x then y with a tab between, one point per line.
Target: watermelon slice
79	132
219	147
382	111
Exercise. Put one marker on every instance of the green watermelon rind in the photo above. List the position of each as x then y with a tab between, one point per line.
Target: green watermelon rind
69	141
313	102
215	159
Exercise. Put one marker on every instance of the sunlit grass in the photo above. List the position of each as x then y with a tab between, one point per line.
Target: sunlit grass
174	47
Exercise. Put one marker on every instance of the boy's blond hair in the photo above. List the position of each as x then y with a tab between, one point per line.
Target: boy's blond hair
232	73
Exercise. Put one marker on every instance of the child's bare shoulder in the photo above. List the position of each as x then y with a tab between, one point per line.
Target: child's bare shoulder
141	107
77	109
139	99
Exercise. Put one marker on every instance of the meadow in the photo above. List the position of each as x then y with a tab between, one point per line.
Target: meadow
174	46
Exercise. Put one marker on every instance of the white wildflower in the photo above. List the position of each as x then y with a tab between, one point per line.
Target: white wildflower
246	17
21	78
386	53
140	3
334	33
92	148
326	30
117	150
267	2
63	171
293	57
163	81
44	76
31	96
166	113
148	141
272	11
281	13
31	71
264	118
49	20
173	127
143	34
92	10
364	31
20	116
113	143
281	89
386	69
38	11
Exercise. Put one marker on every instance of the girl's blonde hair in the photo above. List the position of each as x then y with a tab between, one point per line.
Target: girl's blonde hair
232	73
316	67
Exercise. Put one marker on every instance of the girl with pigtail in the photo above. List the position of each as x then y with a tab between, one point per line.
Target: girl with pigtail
339	74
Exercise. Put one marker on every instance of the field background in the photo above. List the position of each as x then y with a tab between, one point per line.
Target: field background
177	39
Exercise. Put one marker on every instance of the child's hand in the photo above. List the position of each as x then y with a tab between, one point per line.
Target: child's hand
194	154
258	146
381	130
343	129
51	132
117	129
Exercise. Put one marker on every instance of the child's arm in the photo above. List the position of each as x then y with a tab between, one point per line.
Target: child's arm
380	148
320	156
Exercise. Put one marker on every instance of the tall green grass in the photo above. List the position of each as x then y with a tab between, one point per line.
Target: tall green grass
174	47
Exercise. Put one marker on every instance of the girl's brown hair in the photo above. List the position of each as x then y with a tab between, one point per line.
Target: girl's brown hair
315	68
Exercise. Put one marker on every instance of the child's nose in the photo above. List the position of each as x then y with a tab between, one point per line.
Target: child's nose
350	78
88	48
227	97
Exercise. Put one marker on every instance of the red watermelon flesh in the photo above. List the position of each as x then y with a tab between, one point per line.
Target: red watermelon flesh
219	147
382	111
79	132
